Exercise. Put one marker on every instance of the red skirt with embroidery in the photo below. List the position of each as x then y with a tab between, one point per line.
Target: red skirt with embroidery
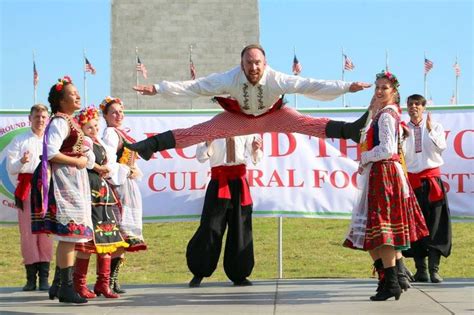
392	219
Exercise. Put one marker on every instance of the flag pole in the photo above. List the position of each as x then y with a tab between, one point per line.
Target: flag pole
190	62
34	85
296	95
343	61
85	79
457	77
386	60
136	73
425	88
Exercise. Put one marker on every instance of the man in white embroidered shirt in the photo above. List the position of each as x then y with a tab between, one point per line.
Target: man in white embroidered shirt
255	105
227	202
423	159
23	157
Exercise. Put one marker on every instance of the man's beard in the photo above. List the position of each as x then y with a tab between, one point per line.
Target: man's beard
251	76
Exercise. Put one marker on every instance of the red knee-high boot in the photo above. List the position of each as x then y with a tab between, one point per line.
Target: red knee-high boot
103	278
80	278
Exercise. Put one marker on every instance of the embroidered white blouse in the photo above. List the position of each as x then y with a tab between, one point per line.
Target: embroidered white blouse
388	141
57	133
118	172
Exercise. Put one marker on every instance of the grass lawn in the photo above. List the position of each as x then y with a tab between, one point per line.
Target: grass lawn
311	248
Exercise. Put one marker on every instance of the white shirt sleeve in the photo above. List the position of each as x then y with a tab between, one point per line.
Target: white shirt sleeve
57	133
388	141
111	156
256	157
119	172
14	153
438	137
202	152
322	90
89	146
213	84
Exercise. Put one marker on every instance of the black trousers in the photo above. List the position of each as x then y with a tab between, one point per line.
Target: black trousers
438	221
204	248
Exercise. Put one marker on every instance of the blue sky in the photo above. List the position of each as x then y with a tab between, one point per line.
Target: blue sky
59	30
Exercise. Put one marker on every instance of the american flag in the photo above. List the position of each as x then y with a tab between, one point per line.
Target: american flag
141	67
428	65
348	65
35	75
296	66
457	69
192	69
89	67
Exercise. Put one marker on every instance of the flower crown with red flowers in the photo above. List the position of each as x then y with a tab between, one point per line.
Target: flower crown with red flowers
390	76
107	101
61	82
87	114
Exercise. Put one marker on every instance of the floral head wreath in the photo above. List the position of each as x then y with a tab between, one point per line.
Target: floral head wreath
390	76
107	101
87	114
62	82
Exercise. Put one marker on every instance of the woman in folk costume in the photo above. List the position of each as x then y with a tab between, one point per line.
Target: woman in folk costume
107	238
387	218
60	197
124	177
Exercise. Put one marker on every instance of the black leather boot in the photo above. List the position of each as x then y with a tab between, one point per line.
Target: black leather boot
434	257
346	130
407	272
403	280
147	147
421	274
54	288
195	282
30	277
66	293
391	287
378	266
115	266
43	273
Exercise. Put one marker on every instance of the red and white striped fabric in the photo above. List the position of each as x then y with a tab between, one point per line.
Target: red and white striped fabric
227	124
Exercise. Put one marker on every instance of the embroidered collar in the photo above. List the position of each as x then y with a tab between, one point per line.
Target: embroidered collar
392	107
416	125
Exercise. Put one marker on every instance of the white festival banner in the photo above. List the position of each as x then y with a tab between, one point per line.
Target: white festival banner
299	176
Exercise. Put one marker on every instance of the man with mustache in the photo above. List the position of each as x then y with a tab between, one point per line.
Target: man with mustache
423	158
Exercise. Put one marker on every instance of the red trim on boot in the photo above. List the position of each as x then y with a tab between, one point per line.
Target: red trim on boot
103	278
79	278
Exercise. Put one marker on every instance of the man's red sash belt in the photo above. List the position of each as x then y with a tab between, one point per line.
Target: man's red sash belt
24	186
231	105
436	193
225	173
